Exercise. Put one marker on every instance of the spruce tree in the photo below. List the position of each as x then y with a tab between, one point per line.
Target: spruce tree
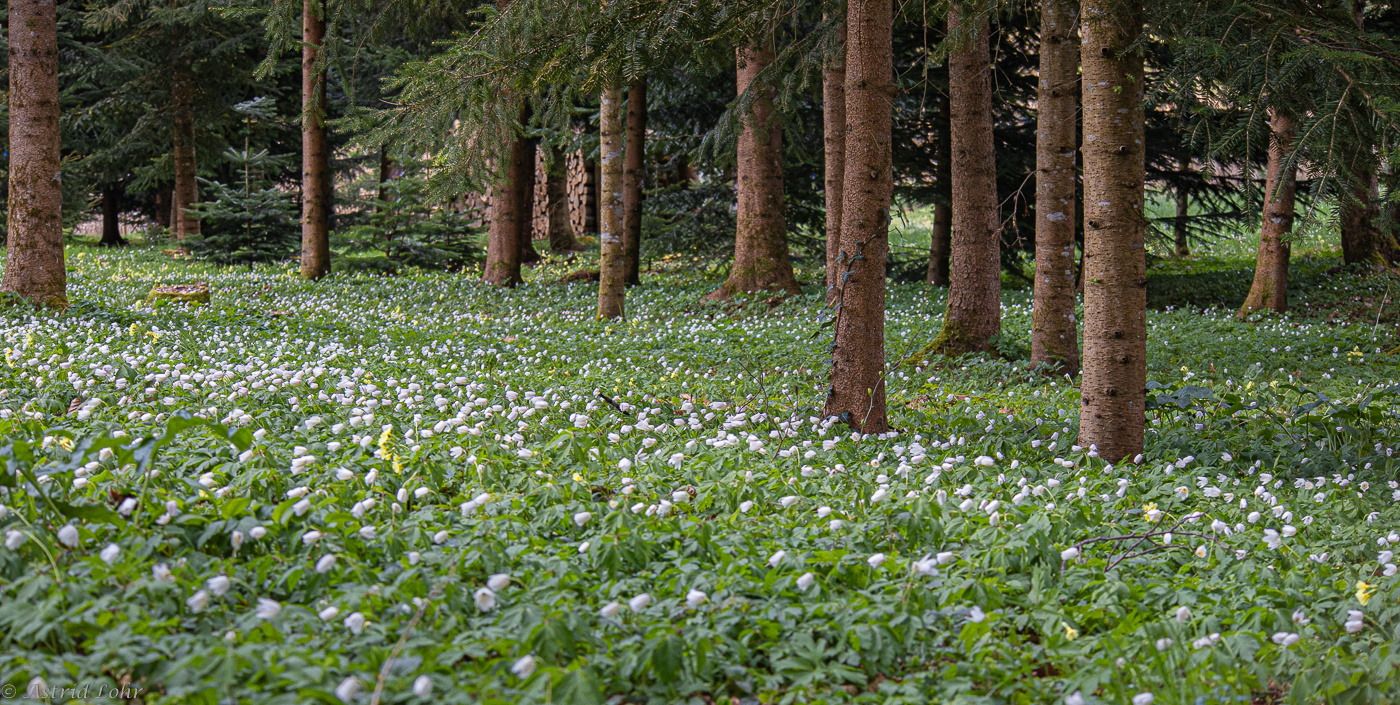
1054	333
857	391
1113	388
34	266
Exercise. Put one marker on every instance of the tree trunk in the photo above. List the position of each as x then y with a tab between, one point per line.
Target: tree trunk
591	197
1183	209
561	231
612	260
634	178
164	198
182	104
34	268
508	217
387	169
315	150
528	254
111	219
940	247
1363	241
974	291
761	261
834	143
1054	333
1113	391
1270	287
857	393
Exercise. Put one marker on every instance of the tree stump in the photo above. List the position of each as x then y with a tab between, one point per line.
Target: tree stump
197	293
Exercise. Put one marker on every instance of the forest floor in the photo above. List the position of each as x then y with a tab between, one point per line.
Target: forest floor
309	492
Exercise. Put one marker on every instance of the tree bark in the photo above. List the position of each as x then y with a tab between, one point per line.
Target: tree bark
761	261
164	198
1113	389
561	231
528	253
387	169
34	267
834	143
974	291
1362	241
612	260
315	149
857	392
1183	209
634	178
1270	287
111	219
940	247
1054	332
508	217
182	105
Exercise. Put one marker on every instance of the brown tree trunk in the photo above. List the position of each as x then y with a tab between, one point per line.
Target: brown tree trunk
1270	287
974	291
561	231
612	260
1113	390
111	219
857	393
940	247
1363	241
34	268
591	197
509	220
834	143
634	178
387	169
761	261
1054	333
315	149
182	105
528	253
163	202
1183	210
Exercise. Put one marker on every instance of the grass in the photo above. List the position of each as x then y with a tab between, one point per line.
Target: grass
497	479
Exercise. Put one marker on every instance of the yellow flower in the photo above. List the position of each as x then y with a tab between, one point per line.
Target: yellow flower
67	443
578	477
1070	632
1364	591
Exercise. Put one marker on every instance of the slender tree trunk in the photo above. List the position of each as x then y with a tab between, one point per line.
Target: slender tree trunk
857	393
1270	287
1113	391
561	231
315	149
1054	333
612	260
634	178
387	169
503	246
528	253
34	268
761	261
834	143
974	291
591	196
940	247
182	104
163	202
111	219
1183	210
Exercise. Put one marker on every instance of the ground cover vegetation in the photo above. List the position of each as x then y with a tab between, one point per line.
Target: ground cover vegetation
757	351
